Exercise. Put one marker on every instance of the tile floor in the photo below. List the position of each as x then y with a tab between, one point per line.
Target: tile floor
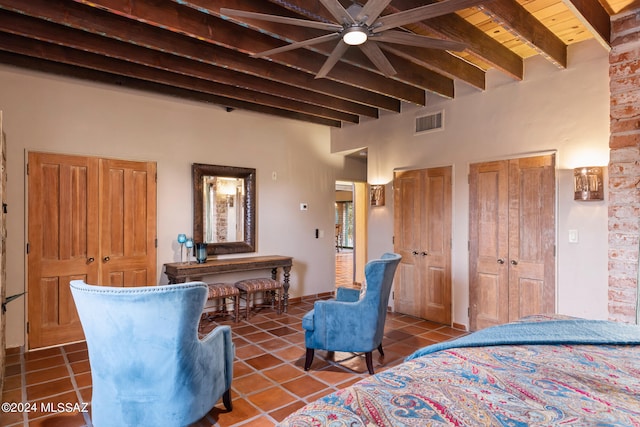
269	380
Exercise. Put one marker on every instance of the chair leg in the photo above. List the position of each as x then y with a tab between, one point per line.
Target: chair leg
369	360
380	350
236	307
226	400
308	359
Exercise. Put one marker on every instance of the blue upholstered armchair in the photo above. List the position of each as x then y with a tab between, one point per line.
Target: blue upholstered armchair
353	322
148	366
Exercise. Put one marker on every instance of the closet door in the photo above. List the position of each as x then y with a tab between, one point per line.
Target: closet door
511	240
63	243
422	209
127	223
88	218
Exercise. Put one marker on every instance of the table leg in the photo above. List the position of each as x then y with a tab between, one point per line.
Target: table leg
285	285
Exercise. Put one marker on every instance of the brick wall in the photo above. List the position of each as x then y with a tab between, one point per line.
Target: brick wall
624	166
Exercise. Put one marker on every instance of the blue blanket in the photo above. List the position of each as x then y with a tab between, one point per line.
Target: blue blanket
574	331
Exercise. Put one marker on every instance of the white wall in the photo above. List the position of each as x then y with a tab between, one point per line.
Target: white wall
56	114
551	110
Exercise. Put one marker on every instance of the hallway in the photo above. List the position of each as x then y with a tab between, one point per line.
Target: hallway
344	268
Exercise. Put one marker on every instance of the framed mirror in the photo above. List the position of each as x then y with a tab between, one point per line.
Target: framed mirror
224	208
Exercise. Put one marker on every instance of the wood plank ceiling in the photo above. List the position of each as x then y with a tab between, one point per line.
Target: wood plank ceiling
188	49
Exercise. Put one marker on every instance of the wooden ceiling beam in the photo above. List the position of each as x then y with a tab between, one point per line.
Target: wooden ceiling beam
40	49
515	18
42	65
85	19
202	24
453	27
594	17
52	33
409	72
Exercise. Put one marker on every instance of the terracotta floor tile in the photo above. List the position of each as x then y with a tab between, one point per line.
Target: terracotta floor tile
304	386
50	388
283	373
242	410
43	375
269	324
282	331
273	344
240	368
290	353
282	413
251	383
248	351
78	356
270	399
39	354
258	337
258	422
333	375
264	361
12	370
83	379
12	382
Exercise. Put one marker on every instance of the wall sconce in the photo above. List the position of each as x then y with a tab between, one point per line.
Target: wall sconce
587	182
376	195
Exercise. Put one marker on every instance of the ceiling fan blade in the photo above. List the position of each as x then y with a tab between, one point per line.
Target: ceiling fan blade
335	56
281	19
371	11
421	13
296	45
373	52
409	39
338	11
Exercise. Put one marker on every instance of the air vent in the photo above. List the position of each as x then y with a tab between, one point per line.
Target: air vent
429	122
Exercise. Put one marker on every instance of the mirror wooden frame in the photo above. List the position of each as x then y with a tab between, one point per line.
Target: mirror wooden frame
200	170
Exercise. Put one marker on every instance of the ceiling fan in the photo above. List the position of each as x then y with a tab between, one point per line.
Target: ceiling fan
363	26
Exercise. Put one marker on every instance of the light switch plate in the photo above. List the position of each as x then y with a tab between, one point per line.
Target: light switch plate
573	236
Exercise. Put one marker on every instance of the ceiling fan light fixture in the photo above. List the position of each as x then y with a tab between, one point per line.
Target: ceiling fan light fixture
354	35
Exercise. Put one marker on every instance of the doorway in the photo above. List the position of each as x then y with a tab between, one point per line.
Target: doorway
350	233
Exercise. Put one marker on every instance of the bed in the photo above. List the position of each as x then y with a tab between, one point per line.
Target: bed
541	371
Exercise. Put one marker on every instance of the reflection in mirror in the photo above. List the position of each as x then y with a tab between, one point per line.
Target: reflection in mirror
223	209
224	200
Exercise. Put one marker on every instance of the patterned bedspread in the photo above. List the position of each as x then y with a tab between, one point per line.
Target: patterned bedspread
495	385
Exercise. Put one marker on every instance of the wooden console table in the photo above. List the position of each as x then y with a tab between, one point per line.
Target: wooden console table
180	272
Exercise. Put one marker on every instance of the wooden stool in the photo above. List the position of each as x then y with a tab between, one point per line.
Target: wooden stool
249	287
222	291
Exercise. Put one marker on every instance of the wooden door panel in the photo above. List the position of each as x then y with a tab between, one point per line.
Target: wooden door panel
488	244
90	219
436	244
407	289
422	235
532	233
489	305
529	298
63	242
512	237
128	218
406	296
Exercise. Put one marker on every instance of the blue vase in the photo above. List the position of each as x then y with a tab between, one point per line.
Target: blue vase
201	253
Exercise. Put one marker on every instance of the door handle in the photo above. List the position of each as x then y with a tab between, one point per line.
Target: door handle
424	253
415	253
500	260
106	259
90	260
514	262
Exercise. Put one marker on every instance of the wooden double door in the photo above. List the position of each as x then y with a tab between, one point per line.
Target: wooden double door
88	218
511	240
422	235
